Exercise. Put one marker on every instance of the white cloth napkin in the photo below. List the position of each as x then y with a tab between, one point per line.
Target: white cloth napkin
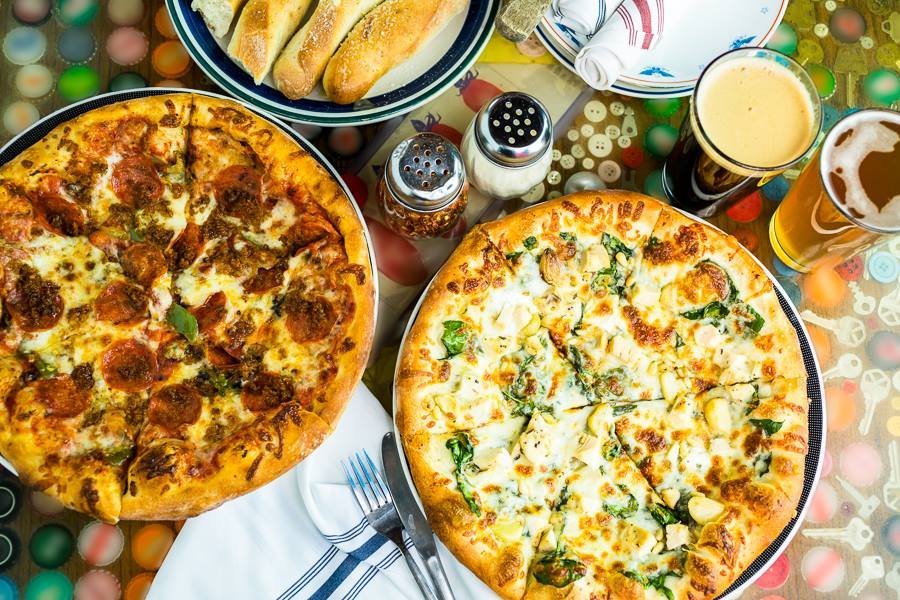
631	31
300	536
584	17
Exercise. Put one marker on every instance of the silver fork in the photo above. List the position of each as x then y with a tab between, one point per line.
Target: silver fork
374	500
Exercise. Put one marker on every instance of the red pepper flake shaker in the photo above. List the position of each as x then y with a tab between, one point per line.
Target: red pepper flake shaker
424	190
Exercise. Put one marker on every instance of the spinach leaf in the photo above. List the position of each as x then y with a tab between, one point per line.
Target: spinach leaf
636	576
530	242
663	514
512	256
558	570
762	462
183	321
611	450
613	246
753	404
768	426
622	512
681	508
611	383
135	235
751	320
526	391
679	341
713	310
116	455
622	409
569	237
578	323
656	582
454	337
462	453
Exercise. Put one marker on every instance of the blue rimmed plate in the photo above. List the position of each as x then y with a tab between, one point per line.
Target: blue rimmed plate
674	65
437	65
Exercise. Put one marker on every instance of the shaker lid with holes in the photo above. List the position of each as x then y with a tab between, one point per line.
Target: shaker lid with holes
513	129
425	172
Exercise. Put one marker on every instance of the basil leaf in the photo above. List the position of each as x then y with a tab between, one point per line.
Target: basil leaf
558	570
663	514
530	242
44	368
622	512
462	453
135	235
454	337
713	310
183	321
768	426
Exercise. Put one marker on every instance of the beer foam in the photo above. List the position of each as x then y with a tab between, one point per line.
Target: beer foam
866	135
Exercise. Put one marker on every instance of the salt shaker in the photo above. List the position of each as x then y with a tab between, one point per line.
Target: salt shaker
508	147
423	190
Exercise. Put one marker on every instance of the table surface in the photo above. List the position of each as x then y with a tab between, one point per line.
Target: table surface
623	141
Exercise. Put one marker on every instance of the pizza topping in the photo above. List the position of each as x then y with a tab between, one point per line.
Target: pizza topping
211	312
83	377
34	303
558	569
58	215
130	135
707	280
174	406
622	511
183	321
455	337
122	304
143	263
655	582
266	279
239	193
461	453
61	396
613	276
551	267
129	365
686	246
309	319
136	182
767	426
703	509
306	230
644	333
237	334
186	248
266	391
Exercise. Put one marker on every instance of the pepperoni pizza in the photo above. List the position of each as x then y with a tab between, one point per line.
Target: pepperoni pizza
187	303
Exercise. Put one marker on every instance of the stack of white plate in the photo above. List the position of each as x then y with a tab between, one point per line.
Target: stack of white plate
672	68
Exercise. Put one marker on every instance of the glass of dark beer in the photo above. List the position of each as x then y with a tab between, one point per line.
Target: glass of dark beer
754	113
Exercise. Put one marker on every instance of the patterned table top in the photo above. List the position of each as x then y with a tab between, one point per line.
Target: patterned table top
851	48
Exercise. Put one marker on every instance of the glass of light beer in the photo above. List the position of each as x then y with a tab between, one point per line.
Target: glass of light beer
754	113
847	198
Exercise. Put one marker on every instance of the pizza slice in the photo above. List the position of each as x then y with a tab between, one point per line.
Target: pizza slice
489	492
577	257
727	463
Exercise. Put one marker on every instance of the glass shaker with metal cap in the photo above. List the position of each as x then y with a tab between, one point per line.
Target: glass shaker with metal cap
508	146
424	190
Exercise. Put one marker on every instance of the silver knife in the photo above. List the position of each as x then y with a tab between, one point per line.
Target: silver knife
411	516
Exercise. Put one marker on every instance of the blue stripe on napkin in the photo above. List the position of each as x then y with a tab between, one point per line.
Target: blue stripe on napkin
385	563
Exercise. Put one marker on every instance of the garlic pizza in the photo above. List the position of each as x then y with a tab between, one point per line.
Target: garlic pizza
602	398
187	303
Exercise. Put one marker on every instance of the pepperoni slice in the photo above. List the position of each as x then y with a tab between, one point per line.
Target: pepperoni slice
34	303
211	312
186	248
239	192
309	319
143	263
130	134
128	365
265	391
61	396
221	358
122	304
266	279
58	215
174	406
306	230
135	181
236	334
109	244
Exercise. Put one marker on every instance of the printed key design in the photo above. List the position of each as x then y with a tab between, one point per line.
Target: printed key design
866	504
849	366
849	331
872	568
856	534
893	578
891	490
863	304
875	386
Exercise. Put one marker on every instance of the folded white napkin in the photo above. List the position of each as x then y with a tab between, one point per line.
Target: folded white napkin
631	30
584	17
300	536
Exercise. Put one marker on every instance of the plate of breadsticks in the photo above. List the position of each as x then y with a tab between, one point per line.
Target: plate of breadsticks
334	62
